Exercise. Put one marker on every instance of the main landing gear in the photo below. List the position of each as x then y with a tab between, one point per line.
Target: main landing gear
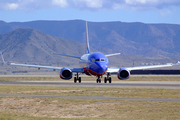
77	78
108	78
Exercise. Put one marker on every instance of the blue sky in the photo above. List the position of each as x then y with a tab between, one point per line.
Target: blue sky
146	11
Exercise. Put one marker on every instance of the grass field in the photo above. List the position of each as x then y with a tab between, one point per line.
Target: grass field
84	91
47	108
21	108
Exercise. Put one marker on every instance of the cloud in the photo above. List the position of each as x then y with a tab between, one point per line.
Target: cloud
61	3
95	5
11	6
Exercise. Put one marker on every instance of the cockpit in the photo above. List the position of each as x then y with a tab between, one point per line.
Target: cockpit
95	60
97	57
98	60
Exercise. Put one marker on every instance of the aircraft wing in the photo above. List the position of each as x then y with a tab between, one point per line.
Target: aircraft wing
40	66
35	66
114	70
46	67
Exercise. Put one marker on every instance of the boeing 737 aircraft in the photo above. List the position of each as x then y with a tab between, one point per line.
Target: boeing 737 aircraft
92	64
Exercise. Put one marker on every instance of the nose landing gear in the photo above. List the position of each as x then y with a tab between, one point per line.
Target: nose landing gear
98	79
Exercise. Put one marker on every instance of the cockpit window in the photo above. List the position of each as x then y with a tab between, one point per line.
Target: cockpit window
94	60
102	59
99	59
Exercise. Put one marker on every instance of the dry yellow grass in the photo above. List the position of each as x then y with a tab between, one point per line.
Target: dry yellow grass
43	108
84	91
19	108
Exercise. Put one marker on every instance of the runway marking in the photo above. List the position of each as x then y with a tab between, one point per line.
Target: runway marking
93	97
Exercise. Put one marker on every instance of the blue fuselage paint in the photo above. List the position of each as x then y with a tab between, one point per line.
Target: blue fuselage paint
94	63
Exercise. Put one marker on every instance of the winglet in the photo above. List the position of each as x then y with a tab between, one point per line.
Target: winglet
3	58
87	39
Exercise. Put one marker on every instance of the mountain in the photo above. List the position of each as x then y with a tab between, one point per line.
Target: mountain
147	40
33	46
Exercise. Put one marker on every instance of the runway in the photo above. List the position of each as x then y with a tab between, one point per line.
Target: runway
115	84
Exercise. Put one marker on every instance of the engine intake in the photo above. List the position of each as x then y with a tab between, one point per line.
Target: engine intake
123	74
65	74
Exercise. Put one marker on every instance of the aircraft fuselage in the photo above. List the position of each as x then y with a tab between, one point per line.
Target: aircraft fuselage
94	63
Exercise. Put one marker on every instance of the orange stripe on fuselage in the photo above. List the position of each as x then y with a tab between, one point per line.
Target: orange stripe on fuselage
95	73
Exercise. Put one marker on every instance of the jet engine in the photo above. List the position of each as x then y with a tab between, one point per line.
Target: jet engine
65	74
123	74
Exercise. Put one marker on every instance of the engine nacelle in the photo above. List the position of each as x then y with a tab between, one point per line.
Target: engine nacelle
65	74
123	74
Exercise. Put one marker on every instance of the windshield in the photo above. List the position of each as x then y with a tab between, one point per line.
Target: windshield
93	60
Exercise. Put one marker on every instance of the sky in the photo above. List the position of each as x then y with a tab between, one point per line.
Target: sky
146	11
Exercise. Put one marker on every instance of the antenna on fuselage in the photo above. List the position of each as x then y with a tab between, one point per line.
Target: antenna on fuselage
87	40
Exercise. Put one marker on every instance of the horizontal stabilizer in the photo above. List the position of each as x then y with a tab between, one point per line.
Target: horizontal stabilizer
78	57
112	54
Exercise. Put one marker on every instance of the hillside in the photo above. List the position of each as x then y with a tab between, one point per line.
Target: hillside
33	46
147	40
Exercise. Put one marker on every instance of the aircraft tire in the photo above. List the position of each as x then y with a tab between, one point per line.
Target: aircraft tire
105	80
110	80
98	80
79	79
75	80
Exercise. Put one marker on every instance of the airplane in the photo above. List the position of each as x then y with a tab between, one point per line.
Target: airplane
92	64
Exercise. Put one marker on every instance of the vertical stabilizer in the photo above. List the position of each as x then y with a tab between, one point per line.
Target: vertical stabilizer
87	40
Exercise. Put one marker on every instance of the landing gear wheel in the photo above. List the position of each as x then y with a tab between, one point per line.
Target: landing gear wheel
110	80
105	80
75	80
79	79
98	80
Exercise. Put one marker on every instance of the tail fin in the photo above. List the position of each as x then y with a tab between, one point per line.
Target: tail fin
87	40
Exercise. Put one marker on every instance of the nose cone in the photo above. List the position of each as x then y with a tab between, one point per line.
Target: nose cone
101	68
98	68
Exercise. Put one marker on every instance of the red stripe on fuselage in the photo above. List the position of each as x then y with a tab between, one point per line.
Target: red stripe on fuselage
95	73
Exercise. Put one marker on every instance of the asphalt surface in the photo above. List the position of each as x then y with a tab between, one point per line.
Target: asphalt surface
115	84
